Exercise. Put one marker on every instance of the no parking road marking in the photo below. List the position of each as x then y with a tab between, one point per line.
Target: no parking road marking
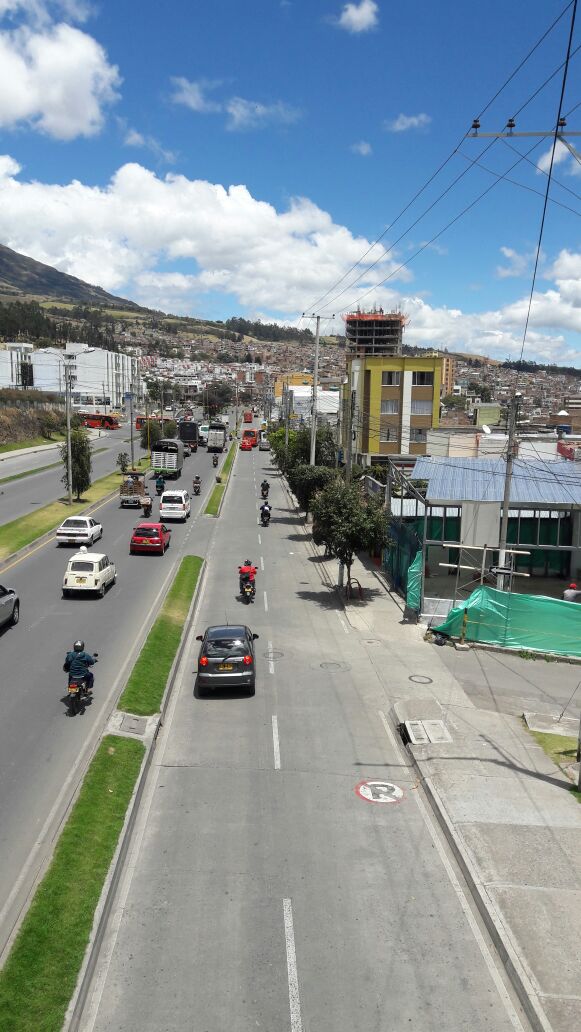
379	792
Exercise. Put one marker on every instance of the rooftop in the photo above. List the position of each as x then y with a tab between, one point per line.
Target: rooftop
540	483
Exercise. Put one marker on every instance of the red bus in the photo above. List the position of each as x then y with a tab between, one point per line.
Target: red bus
96	421
140	421
248	416
250	435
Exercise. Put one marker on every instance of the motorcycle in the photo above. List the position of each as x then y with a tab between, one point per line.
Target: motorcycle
248	591
196	487
78	693
265	517
264	492
160	486
215	460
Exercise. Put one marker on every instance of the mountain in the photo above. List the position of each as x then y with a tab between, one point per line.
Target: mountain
22	277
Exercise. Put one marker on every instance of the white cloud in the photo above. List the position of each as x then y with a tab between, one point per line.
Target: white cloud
193	94
250	114
561	154
40	12
133	138
359	17
518	264
404	122
363	148
57	80
126	235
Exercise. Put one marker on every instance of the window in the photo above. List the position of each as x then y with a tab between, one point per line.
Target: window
421	408
390	378
417	435
390	408
422	379
384	434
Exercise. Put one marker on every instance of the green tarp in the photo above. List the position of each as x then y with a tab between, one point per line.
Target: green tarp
531	622
414	584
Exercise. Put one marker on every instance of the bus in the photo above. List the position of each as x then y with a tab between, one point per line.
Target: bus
167	457
248	416
250	435
96	421
140	421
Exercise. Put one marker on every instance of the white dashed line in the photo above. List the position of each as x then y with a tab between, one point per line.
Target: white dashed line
342	622
262	564
291	963
271	661
259	540
275	743
265	603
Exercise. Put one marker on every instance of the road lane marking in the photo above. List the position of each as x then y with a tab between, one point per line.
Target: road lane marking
271	661
291	963
275	743
259	540
473	924
342	622
265	603
262	564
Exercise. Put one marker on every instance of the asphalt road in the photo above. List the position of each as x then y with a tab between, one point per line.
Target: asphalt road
262	891
20	497
40	747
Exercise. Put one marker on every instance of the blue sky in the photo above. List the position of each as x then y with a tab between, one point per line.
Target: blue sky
239	158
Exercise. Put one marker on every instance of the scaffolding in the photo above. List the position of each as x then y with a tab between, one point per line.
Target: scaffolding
374	334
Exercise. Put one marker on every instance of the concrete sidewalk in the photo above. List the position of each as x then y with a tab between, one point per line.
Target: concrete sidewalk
505	808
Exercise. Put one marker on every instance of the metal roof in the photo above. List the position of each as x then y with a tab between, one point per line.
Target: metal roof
482	480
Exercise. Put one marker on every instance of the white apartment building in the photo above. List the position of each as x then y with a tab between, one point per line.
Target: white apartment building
99	377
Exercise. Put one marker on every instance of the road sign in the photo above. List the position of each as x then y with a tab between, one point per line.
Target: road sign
128	396
379	792
497	570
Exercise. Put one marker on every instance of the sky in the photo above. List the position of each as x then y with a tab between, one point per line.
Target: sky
279	157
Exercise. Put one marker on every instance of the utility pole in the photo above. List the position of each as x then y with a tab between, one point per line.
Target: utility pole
511	445
161	402
286	405
236	410
131	425
68	418
104	397
348	457
315	386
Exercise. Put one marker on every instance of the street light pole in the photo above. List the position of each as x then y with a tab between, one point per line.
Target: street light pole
315	384
131	425
68	418
512	419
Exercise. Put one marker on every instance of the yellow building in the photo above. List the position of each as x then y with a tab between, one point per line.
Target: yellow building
394	398
292	380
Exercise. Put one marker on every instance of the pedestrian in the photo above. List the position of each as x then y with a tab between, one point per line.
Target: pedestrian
572	593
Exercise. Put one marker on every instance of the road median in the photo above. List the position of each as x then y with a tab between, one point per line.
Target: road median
214	506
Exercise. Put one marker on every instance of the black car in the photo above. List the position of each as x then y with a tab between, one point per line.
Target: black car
227	658
9	606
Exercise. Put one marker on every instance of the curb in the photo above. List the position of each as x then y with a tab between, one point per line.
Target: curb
517	974
104	907
227	482
551	656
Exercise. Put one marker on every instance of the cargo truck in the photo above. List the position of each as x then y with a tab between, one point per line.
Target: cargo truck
188	433
132	490
167	458
216	437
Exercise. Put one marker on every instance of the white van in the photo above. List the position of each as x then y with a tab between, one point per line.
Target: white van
174	505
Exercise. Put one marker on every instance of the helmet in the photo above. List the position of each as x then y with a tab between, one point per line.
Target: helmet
573	586
247	562
79	646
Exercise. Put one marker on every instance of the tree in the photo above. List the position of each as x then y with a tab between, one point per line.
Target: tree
454	401
80	460
217	397
150	437
170	428
346	523
123	461
306	481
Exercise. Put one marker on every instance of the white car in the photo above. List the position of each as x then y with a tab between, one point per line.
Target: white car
175	505
79	530
89	571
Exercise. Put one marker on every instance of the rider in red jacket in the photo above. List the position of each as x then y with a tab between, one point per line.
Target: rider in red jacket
247	572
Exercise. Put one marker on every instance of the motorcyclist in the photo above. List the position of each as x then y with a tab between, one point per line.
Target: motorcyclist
147	505
196	484
214	460
265	512
160	484
247	573
264	488
77	665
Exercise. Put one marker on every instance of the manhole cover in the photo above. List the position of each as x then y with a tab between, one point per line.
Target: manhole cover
273	654
334	666
134	725
420	679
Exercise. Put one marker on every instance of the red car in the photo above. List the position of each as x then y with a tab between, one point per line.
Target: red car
245	444
149	537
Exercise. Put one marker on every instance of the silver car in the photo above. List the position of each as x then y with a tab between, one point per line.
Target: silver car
79	530
9	606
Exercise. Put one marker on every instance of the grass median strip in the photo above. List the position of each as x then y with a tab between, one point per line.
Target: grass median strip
34	442
146	685
40	974
23	531
216	496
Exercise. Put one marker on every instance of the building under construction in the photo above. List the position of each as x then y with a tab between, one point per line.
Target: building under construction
374	334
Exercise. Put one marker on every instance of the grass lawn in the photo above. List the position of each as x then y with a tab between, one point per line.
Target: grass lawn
29	472
560	748
216	496
39	977
21	532
32	442
146	685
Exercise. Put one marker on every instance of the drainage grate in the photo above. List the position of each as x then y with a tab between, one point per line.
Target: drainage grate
425	732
